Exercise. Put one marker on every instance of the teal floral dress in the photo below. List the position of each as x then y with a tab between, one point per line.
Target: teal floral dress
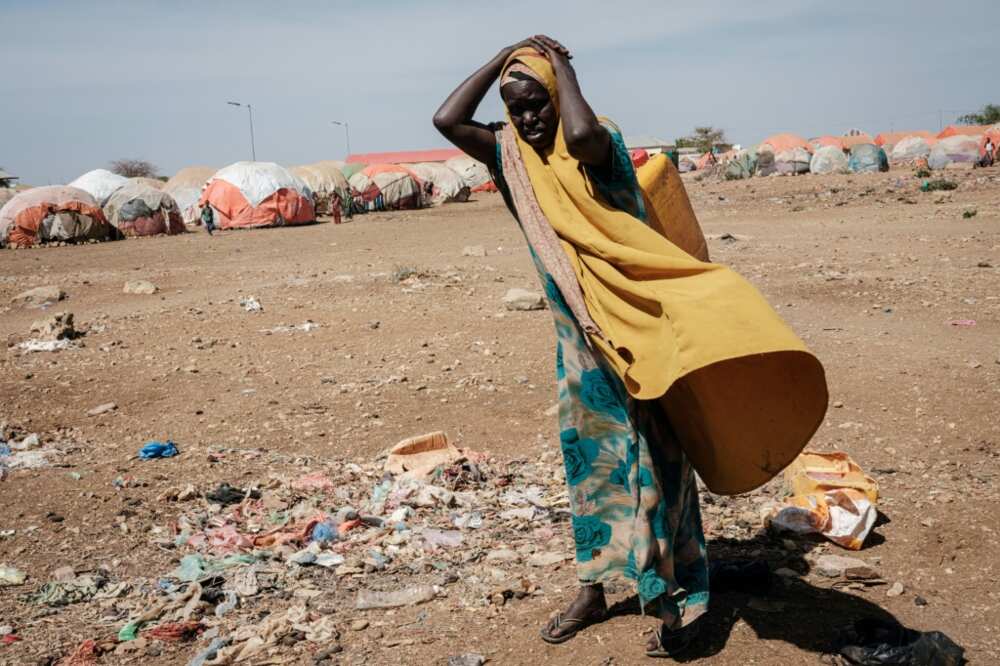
632	491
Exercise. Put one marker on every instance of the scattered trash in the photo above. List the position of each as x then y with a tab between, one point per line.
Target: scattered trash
209	653
197	567
11	576
225	494
251	304
875	642
35	345
314	481
78	589
174	632
469	659
418	457
830	495
410	596
154	449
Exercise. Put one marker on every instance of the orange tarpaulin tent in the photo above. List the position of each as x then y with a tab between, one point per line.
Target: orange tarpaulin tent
892	138
827	140
964	130
855	140
783	142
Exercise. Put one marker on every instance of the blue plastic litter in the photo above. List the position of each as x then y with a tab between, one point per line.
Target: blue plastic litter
158	450
324	532
4	451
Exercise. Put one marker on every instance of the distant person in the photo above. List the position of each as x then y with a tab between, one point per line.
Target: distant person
208	218
635	315
987	159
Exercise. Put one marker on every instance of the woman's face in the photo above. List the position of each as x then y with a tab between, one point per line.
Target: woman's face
532	112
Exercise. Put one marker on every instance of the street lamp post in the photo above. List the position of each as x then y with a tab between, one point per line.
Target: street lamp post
253	149
347	133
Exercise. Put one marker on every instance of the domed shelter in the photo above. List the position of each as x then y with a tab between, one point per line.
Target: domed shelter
867	158
154	183
829	159
186	187
441	184
963	130
851	140
888	140
826	140
777	143
741	165
386	187
258	194
99	183
351	168
910	149
473	172
52	213
954	150
329	187
793	161
135	209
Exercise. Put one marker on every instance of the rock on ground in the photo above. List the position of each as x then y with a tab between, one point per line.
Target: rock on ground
139	287
522	299
39	296
57	327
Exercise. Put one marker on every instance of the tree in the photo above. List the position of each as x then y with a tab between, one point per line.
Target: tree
703	138
989	115
134	168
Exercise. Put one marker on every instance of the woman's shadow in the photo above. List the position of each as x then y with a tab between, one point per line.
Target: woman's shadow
785	608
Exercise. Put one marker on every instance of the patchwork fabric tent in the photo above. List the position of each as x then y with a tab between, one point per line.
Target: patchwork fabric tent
186	187
829	159
777	143
887	140
330	188
792	161
258	194
910	149
352	168
99	183
867	158
139	210
441	184
827	140
155	183
957	149
52	213
386	187
473	172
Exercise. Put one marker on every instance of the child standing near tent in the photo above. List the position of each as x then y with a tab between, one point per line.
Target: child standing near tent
208	218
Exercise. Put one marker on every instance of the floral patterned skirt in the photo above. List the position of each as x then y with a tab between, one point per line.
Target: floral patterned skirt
632	491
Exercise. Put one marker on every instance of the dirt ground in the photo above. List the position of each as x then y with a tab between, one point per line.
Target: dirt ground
883	281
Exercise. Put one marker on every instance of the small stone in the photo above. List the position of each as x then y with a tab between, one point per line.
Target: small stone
473	251
522	299
546	559
57	327
359	625
896	590
139	287
920	601
838	404
39	296
837	566
102	409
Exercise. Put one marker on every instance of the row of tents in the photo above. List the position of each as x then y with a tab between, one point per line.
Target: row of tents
100	205
790	154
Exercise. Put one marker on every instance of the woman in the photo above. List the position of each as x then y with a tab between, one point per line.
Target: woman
632	312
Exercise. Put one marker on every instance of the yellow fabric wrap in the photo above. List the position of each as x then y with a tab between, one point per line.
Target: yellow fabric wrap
741	390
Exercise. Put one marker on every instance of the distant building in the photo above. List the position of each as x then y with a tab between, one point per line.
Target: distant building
7	180
651	144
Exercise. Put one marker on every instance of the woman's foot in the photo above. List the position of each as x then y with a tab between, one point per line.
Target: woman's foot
671	642
588	608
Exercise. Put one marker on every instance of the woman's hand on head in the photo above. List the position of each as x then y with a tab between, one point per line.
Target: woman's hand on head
551	49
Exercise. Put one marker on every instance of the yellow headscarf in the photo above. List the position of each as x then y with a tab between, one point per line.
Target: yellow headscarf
740	388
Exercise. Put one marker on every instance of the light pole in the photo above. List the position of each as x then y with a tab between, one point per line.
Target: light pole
253	149
347	133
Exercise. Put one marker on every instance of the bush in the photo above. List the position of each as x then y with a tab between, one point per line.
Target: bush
922	173
939	184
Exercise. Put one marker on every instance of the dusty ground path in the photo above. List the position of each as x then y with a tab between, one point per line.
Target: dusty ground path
875	276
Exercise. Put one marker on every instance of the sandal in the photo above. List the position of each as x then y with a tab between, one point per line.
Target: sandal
671	643
577	625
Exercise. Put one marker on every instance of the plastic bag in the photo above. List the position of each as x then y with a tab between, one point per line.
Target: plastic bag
874	642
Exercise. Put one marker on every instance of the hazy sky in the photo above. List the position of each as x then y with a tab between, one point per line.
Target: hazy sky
88	82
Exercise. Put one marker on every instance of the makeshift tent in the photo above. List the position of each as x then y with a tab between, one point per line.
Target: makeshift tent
139	210
258	194
386	187
741	165
441	184
887	140
705	161
329	187
155	183
765	163
186	187
792	161
827	140
851	140
962	130
781	142
406	156
350	169
688	163
957	149
910	149
99	183
828	159
474	173
867	158
52	213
